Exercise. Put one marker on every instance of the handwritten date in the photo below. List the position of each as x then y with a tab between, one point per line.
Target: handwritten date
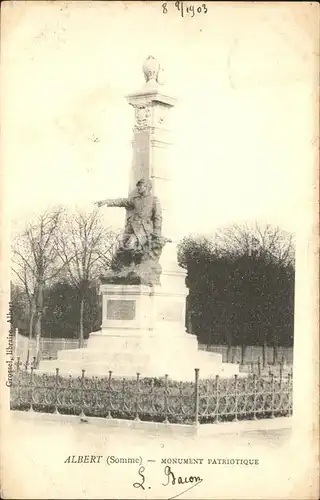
186	10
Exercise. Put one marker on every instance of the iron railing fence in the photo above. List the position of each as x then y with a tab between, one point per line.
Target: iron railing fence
153	399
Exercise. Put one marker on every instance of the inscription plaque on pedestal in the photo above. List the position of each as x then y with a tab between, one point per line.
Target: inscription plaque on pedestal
121	310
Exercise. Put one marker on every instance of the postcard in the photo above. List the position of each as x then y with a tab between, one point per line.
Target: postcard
159	256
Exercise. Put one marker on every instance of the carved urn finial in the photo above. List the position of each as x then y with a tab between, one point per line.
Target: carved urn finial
151	69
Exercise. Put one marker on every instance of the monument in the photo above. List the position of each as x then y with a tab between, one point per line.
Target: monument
144	292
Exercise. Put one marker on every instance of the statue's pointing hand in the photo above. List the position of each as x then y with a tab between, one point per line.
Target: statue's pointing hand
100	203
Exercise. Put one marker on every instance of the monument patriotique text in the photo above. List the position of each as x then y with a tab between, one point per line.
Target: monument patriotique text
144	292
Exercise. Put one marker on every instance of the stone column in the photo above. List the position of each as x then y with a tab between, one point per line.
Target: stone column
151	159
152	140
151	145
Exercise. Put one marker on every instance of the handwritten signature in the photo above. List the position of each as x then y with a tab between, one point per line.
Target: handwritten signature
171	479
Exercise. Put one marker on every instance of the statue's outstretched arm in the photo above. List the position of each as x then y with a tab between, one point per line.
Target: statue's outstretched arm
115	202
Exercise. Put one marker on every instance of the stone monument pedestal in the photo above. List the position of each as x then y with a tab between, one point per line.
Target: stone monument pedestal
142	332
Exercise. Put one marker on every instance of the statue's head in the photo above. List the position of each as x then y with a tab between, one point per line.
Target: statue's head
144	187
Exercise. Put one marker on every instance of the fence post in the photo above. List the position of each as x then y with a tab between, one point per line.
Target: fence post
290	392
272	395
217	398
254	396
56	392
82	394
281	369
18	380
259	366
16	342
31	389
236	398
243	354
166	421
196	395
137	398
284	362
264	354
275	354
109	395
229	353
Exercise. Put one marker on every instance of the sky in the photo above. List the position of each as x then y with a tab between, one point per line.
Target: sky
243	128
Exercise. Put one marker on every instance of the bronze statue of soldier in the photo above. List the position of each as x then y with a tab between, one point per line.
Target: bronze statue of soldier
137	258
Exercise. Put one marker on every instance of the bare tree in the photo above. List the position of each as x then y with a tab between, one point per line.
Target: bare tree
85	248
35	264
24	273
271	242
264	244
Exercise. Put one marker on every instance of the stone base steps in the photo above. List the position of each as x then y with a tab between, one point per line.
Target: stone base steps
152	355
209	368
